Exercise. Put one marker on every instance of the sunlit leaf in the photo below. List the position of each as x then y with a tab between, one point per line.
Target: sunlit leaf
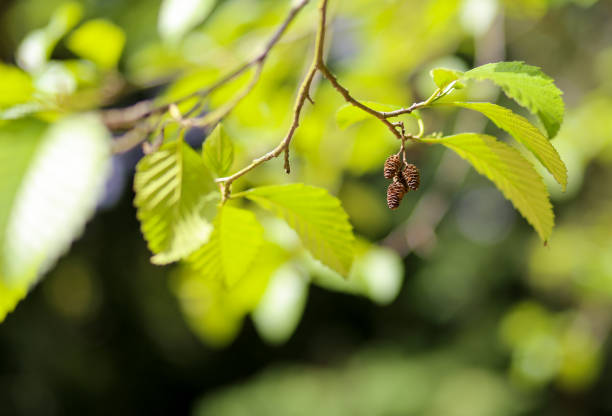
215	311
348	114
10	296
178	17
523	131
99	41
174	200
530	87
316	216
56	178
19	141
442	77
232	247
218	152
15	86
36	48
377	273
510	172
279	312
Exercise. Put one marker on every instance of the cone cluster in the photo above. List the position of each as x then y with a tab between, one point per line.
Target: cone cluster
404	180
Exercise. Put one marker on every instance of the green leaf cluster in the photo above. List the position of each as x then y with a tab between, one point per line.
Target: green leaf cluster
507	168
229	265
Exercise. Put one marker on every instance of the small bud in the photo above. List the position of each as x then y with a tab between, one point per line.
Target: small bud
392	166
395	193
411	177
175	113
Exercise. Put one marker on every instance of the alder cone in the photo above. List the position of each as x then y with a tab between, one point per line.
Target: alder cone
395	193
411	177
393	164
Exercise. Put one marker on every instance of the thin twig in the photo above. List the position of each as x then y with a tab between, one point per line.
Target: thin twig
127	117
318	64
303	93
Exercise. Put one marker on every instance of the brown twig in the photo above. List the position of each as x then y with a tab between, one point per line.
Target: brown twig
128	117
319	64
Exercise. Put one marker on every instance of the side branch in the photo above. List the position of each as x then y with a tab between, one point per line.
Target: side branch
283	146
125	118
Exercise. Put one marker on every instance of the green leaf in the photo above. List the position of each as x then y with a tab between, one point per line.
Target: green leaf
316	216
218	152
348	114
15	86
443	77
282	305
232	247
99	41
510	172
377	273
53	179
175	198
215	311
36	48
179	17
10	296
18	141
530	87
527	134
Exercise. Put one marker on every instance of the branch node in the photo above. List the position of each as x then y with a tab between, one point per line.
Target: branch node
287	163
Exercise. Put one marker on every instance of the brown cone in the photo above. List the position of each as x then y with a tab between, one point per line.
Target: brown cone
411	177
393	165
395	193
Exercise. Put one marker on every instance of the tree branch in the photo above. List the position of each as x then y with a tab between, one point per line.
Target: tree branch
303	95
127	117
318	64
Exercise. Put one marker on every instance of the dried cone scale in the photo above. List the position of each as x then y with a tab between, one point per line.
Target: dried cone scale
393	164
395	193
411	177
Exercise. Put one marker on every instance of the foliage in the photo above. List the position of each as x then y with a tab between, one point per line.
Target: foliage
174	202
175	193
530	87
214	117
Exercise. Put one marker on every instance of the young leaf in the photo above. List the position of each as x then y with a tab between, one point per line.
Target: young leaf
232	247
279	312
442	77
377	273
215	311
16	86
99	41
529	86
218	152
56	195
174	197
347	115
510	172
523	131
316	216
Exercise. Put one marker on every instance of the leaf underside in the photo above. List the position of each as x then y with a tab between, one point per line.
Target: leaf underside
527	134
515	177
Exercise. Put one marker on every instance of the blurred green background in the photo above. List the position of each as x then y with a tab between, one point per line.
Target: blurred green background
487	321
